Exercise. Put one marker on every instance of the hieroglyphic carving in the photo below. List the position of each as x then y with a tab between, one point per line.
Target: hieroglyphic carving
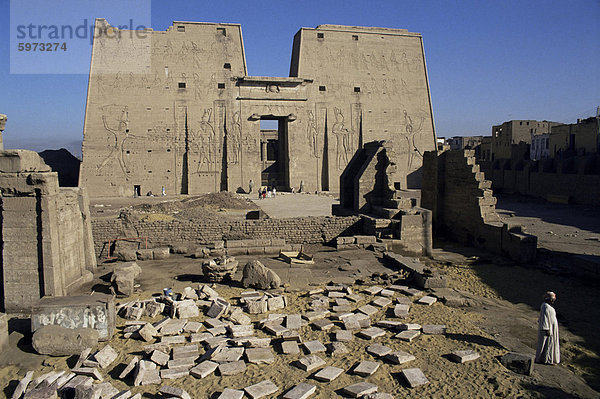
312	135
342	139
115	119
207	142
411	128
233	139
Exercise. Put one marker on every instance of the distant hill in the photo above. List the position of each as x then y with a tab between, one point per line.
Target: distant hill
63	162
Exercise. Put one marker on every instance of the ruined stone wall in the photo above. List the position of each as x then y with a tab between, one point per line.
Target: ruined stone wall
576	179
464	207
295	230
47	245
176	109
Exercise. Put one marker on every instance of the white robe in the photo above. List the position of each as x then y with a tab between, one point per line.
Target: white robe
548	347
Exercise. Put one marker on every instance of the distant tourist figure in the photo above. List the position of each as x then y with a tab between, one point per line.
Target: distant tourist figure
301	189
164	193
548	346
250	186
264	193
274	191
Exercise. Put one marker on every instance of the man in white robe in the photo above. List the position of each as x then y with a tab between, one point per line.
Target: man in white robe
548	346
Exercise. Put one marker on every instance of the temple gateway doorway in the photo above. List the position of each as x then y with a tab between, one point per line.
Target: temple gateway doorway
274	152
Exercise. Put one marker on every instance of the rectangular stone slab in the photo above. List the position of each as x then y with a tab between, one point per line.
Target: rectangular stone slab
399	357
414	377
408	335
229	393
95	311
359	389
366	368
300	391
378	350
261	389
290	347
464	356
260	355
314	346
310	363
232	368
204	369
371	333
328	374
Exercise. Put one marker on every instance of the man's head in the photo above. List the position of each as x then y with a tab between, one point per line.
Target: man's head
549	297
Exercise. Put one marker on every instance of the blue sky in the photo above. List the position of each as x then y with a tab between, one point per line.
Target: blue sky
488	61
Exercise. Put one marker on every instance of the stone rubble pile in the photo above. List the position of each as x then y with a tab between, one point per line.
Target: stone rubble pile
198	333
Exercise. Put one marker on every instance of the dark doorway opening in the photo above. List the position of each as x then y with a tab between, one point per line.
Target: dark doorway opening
137	190
274	152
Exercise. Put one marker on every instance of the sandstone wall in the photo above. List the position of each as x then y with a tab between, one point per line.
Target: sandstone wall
176	109
294	230
464	207
45	230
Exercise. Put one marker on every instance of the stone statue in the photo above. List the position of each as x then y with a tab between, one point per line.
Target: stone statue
3	120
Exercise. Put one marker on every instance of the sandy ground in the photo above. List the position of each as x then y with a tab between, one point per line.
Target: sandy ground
503	298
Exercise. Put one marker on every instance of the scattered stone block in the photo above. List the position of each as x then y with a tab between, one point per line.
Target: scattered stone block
293	322
133	312
310	363
212	323
521	363
186	309
275	329
76	381
41	393
173	327
159	357
238	331
176	339
434	329
259	355
360	389
123	278
229	393
300	391
89	372
401	310
463	356
217	308
414	377
261	389
364	321
337	348
315	315
257	275
291	336
404	300
239	317
378	350
204	369
368	310
185	352
174	373
344	336
192	327
366	368
373	290
351	323
257	306
106	356
55	340
371	333
342	308
381	302
290	347
145	254
408	335
386	292
221	269
389	324
314	347
275	303
329	374
427	300
223	354
232	368
410	326
399	357
23	384
161	253
322	324
71	312
123	395
129	368
147	332
106	390
174	392
152	377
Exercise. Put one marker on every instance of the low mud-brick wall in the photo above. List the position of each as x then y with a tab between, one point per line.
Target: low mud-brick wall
304	230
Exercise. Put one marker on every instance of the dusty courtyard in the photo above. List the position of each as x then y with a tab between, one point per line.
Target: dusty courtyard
503	299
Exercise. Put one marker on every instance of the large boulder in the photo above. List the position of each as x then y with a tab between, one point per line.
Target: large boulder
123	278
259	276
521	363
55	340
